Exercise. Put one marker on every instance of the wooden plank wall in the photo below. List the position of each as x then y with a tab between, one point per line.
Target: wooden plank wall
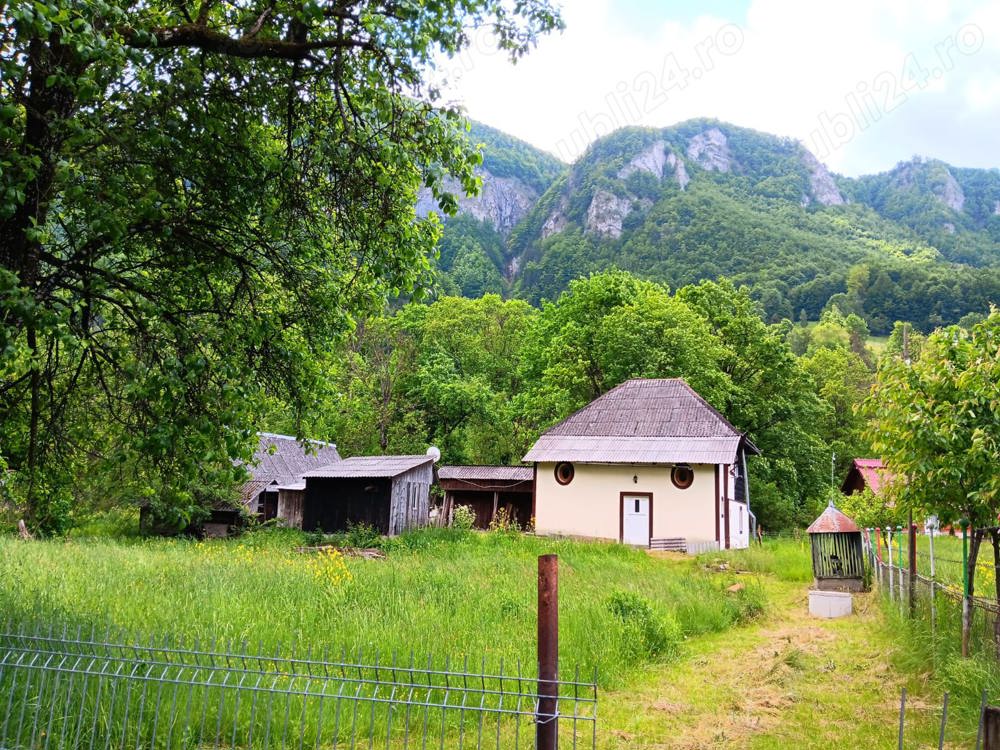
290	507
410	503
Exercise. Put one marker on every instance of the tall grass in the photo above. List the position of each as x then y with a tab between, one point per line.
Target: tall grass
462	595
786	558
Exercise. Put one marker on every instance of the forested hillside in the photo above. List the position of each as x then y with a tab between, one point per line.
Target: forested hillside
705	199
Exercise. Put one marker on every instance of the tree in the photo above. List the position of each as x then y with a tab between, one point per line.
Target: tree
936	423
772	399
195	197
606	329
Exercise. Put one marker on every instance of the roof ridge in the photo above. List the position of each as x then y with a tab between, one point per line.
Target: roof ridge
711	408
279	436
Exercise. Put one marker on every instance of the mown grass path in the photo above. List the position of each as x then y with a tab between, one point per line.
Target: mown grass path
788	681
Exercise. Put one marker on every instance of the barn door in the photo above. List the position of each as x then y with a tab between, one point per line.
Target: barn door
636	515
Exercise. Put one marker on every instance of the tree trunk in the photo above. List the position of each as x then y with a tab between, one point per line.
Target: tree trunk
967	611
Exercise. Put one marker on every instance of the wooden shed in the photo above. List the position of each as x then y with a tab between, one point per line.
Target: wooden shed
837	557
488	489
390	493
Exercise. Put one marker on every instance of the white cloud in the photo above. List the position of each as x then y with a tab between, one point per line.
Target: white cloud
846	80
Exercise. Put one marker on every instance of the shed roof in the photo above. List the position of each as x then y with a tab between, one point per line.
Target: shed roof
832	521
282	459
873	472
643	421
369	467
487	473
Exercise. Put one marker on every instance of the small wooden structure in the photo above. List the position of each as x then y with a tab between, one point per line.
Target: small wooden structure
838	560
389	493
488	489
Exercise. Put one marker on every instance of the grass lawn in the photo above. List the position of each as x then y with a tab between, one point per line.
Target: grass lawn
947	561
684	664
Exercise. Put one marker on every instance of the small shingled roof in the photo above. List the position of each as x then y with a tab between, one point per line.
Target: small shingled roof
487	473
832	521
282	459
644	421
369	467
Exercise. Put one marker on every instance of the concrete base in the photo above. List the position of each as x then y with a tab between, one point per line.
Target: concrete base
830	604
855	585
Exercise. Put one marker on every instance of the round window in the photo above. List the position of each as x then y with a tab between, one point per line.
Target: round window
564	472
682	477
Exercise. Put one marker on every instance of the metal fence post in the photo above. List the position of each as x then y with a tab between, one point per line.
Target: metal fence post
547	726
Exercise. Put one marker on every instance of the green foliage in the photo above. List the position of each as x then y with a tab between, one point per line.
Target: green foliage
654	637
362	535
462	517
190	212
936	423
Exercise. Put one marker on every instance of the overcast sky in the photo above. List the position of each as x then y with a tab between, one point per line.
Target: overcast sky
863	84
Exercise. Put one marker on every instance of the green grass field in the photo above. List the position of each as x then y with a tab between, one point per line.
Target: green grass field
681	661
438	592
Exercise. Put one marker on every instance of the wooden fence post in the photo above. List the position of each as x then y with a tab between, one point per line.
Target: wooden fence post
991	728
966	604
546	721
913	566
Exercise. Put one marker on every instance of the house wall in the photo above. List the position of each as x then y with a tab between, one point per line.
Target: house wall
410	502
590	505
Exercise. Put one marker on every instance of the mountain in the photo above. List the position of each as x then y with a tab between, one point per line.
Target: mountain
704	198
514	175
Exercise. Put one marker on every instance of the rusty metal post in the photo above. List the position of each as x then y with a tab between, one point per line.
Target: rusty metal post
546	720
991	728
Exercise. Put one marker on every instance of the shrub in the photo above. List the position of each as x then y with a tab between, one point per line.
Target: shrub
462	517
504	522
362	535
658	637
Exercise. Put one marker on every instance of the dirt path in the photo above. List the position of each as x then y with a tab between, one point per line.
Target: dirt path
791	681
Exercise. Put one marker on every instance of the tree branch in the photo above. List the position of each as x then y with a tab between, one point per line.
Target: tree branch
196	36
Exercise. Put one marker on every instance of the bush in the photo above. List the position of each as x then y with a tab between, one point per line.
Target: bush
504	522
362	535
462	517
658	637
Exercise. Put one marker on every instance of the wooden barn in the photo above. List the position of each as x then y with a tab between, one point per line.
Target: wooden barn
488	489
280	460
390	493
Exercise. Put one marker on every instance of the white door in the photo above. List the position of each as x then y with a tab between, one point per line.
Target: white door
635	520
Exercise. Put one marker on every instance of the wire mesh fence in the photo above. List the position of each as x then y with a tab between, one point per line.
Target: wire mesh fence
936	596
61	689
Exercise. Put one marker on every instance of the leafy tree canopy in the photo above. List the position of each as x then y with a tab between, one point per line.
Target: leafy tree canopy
194	198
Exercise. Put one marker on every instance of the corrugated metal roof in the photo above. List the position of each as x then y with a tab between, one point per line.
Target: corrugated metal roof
643	421
832	521
369	467
487	473
281	459
638	450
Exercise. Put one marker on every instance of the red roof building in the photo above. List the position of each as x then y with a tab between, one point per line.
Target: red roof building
866	472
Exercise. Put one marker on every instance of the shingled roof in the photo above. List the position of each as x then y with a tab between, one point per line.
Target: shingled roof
282	459
643	421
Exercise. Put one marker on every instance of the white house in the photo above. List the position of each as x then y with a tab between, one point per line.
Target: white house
650	463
